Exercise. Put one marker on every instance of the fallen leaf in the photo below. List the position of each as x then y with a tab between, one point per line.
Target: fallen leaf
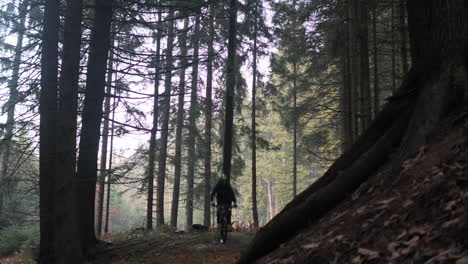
407	203
392	247
357	260
412	242
311	246
386	201
370	254
463	260
450	223
420	230
450	205
337	238
400	236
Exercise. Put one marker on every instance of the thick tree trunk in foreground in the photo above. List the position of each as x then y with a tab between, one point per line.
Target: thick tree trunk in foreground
92	114
179	125
154	129
192	159
165	108
208	118
48	121
66	224
436	85
230	85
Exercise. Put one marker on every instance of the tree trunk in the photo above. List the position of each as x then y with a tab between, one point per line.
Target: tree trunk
365	96
254	124
295	130
230	85
208	117
270	200
403	39
47	130
105	137
91	121
354	65
154	129
180	125
109	174
346	102
375	61
192	159
440	51
66	225
393	28
10	105
165	107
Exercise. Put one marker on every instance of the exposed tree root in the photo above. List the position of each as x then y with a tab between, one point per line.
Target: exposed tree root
347	173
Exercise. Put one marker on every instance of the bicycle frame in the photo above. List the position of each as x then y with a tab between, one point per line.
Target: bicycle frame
223	222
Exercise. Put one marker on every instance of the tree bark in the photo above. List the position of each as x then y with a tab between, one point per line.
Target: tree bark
270	199
230	85
403	39
165	107
154	129
103	172
109	174
375	61
365	96
208	117
192	126
353	6
91	122
295	129
254	124
66	225
47	130
393	28
180	125
346	100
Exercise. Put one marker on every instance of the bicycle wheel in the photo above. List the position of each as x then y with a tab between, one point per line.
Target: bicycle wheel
223	225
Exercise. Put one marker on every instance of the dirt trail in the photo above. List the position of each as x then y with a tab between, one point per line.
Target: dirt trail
173	248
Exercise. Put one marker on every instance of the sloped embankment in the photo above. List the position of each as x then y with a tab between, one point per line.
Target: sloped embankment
419	215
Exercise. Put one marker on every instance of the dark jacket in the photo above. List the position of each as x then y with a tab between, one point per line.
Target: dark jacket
224	193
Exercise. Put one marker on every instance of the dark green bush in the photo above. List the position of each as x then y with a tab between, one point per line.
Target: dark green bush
17	238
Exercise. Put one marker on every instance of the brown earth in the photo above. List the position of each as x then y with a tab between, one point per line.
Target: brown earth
170	247
415	215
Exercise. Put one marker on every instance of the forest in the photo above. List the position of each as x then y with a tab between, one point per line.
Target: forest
342	127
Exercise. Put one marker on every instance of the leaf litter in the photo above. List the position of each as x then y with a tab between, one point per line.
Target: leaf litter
421	218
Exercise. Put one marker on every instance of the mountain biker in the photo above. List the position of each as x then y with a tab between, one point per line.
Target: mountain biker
224	196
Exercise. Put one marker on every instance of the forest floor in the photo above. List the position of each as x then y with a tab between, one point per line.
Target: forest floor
170	247
417	215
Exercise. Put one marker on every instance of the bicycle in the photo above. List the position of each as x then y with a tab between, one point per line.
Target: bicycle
223	221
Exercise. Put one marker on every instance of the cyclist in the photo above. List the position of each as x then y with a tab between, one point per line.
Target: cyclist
224	196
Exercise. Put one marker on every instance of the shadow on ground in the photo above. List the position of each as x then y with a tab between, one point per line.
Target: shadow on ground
169	247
